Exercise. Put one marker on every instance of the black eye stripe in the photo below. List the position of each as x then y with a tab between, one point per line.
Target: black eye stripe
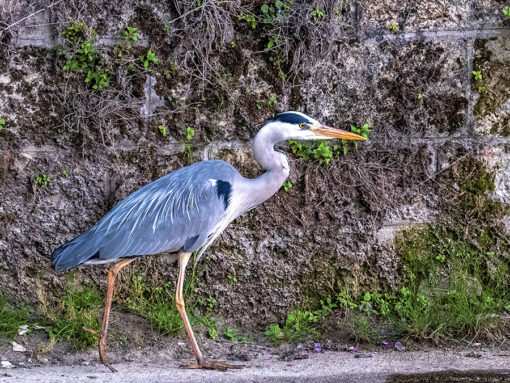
291	118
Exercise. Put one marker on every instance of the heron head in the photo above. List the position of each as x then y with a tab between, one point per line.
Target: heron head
298	126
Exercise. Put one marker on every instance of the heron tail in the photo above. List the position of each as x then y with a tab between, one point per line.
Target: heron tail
74	252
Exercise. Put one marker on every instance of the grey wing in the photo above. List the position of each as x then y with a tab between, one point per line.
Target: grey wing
176	213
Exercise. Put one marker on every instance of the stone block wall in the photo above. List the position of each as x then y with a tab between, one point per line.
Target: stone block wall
435	126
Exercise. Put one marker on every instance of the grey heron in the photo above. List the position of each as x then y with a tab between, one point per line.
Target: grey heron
185	211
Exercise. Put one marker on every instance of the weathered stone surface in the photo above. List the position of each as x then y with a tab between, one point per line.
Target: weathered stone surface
335	227
415	16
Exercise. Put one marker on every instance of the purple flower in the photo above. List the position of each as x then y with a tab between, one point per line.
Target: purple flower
270	357
355	349
279	11
317	347
386	344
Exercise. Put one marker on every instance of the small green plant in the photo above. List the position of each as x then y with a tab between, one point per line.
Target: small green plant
249	18
302	149
162	130
77	32
230	334
287	185
172	67
394	27
317	14
100	79
441	257
150	57
210	303
84	58
477	75
42	181
345	300
269	12
275	12
190	132
271	102
166	28
271	43
210	323
506	12
131	34
2	124
64	173
233	336
231	279
327	307
11	319
420	96
323	153
232	44
364	131
481	89
299	325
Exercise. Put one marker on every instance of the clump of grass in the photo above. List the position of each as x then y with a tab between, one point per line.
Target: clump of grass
78	308
11	319
299	325
448	292
157	304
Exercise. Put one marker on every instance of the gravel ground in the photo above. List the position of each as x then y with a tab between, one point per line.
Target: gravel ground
323	367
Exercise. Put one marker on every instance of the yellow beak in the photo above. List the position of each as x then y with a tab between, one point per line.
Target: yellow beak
326	131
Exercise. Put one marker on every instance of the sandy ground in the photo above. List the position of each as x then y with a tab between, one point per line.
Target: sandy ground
321	367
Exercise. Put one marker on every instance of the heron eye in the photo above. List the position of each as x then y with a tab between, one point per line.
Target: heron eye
302	125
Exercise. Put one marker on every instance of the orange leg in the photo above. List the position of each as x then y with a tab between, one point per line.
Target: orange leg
179	302
112	274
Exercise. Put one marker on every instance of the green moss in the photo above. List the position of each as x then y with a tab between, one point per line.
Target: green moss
491	80
449	262
454	273
501	127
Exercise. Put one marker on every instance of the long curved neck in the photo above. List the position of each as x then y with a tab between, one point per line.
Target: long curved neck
263	187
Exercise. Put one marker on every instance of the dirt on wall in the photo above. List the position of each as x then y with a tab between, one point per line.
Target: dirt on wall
216	73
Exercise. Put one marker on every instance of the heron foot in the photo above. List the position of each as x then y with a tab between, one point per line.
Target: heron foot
213	365
104	360
102	355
